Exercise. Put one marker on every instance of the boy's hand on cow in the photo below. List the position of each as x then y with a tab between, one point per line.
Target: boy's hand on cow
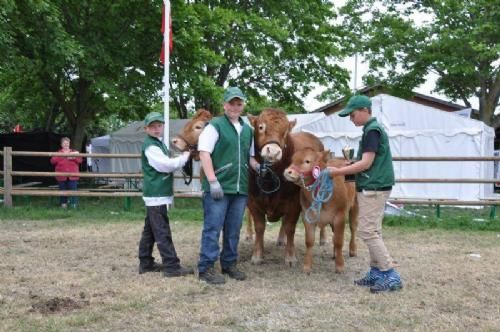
216	190
333	170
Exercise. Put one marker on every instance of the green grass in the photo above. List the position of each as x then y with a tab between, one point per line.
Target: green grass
95	210
451	218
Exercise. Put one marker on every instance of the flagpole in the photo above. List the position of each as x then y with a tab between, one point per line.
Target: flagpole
166	74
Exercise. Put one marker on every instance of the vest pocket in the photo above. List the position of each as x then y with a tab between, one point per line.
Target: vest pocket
222	168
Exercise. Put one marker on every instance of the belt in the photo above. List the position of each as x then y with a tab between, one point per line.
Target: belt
374	189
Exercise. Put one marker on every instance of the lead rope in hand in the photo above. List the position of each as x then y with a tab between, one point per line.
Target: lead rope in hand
321	191
187	171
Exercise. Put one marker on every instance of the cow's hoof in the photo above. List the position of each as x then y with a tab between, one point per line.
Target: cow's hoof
322	242
256	260
339	269
291	261
280	243
353	254
249	238
307	270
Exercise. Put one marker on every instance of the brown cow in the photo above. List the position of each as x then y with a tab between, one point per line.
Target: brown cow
187	139
304	172
275	198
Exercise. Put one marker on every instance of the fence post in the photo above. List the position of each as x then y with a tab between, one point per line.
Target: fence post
493	211
7	176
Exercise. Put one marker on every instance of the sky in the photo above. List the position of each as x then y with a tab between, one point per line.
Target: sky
312	104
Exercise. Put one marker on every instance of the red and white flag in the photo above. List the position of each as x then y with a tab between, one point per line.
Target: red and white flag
171	41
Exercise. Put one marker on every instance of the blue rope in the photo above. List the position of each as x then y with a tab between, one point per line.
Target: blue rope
321	191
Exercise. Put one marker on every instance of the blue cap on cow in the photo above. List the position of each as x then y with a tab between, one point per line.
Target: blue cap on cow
233	92
355	103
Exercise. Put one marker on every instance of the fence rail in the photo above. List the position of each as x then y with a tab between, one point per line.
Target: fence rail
9	190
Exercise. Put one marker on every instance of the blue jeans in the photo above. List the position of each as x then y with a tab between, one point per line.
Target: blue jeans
224	215
68	185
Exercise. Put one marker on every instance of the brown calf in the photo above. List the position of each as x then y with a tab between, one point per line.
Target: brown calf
303	171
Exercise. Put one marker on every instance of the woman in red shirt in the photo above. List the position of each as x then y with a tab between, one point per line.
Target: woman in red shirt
67	164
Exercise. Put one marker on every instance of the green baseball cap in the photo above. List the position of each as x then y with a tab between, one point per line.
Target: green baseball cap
233	92
152	117
355	103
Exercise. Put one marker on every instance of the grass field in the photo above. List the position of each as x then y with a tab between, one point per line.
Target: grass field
76	270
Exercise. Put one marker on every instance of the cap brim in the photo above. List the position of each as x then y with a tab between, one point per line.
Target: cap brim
346	112
233	97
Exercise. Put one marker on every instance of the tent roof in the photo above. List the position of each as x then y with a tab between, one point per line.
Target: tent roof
400	117
135	130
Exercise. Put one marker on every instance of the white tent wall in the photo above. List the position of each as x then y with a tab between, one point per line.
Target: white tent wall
416	130
101	145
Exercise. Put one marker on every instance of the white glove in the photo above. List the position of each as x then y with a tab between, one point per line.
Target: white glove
216	190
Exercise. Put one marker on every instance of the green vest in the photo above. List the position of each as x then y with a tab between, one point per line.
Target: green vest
381	173
230	157
155	184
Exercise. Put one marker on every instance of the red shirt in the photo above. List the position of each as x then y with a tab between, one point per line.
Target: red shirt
65	164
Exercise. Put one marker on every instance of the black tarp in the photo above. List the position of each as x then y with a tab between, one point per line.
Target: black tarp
31	141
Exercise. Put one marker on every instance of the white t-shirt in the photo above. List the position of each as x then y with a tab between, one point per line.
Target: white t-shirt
164	164
209	137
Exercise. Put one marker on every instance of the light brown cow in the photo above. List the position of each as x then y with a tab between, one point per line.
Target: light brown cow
303	171
187	139
271	198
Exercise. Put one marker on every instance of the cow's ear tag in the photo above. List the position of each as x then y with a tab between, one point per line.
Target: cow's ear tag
315	172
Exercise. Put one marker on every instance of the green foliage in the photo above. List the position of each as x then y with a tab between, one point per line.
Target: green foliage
71	66
457	40
71	63
276	51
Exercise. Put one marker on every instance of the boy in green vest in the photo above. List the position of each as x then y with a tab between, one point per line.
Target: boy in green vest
158	168
225	145
374	181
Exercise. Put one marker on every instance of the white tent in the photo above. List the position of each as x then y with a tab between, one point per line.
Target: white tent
416	130
101	145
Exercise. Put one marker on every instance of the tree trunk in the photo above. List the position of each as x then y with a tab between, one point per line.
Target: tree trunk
77	139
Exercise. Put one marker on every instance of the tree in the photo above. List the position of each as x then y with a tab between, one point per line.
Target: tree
457	40
71	63
275	50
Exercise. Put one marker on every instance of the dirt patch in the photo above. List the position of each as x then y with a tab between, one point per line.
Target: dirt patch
57	305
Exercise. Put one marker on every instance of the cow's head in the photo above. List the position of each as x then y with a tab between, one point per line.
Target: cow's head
271	133
306	166
187	139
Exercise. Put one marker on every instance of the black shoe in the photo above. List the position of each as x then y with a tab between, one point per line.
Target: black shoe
151	267
212	277
233	272
180	272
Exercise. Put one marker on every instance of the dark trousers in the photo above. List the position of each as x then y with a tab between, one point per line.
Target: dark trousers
68	185
157	229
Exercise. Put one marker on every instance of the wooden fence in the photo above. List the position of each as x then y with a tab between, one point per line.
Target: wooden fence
9	190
